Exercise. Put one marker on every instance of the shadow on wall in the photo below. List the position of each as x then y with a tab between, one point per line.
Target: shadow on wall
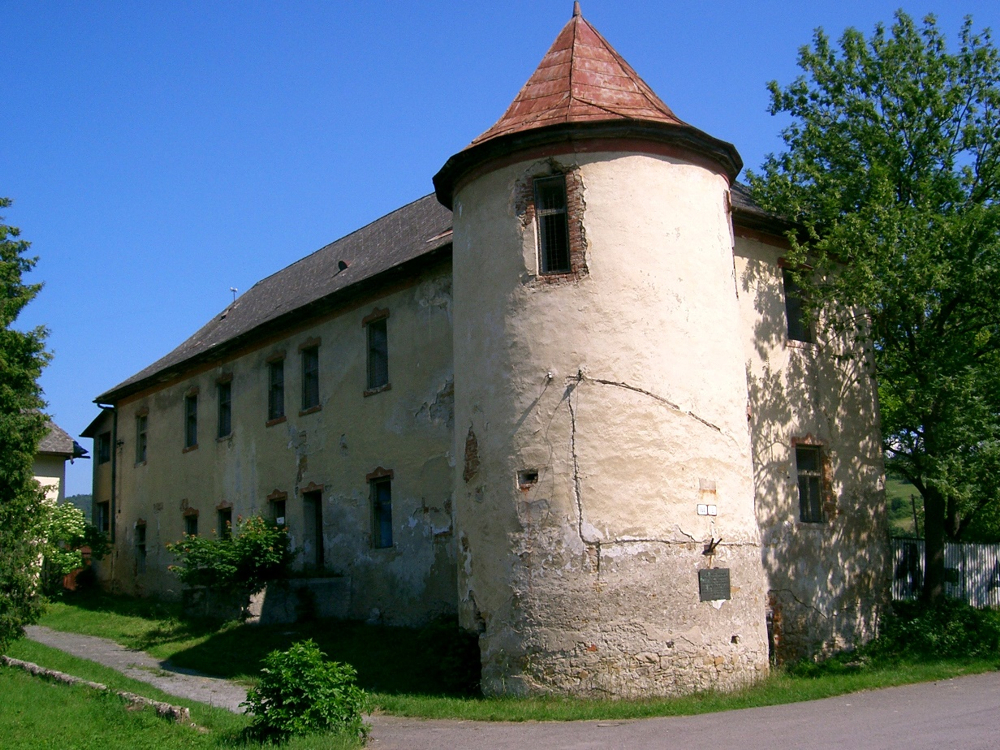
828	577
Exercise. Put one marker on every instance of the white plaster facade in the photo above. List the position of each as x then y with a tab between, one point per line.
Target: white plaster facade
553	442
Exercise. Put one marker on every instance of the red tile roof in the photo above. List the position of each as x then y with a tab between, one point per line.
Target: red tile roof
582	91
581	79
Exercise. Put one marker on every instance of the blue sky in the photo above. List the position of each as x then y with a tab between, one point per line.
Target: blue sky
159	153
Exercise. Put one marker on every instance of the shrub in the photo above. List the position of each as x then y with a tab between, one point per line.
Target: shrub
299	692
65	532
950	629
257	553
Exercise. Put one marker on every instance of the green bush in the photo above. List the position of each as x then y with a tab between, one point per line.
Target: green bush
256	553
300	692
916	631
950	629
65	532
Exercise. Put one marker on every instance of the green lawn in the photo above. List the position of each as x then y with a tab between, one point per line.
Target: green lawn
403	668
40	714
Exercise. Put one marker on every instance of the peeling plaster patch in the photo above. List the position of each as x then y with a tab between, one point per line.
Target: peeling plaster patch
343	445
442	409
435	293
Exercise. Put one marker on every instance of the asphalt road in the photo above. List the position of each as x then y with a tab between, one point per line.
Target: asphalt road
962	713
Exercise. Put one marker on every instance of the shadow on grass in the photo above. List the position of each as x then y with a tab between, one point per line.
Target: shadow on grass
436	660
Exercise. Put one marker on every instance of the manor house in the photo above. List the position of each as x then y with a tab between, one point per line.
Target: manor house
570	396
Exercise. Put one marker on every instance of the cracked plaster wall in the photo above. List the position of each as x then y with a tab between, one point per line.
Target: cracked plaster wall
407	429
625	391
827	581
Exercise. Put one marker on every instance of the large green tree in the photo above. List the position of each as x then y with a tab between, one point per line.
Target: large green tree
22	426
892	170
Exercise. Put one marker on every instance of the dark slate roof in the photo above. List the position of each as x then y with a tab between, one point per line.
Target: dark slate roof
59	443
747	213
405	235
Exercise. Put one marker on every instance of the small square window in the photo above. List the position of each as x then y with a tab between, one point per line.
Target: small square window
553	224
378	354
191	420
275	389
310	378
140	438
225	392
191	524
381	490
795	312
809	467
104	447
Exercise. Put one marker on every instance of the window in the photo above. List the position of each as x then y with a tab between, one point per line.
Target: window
798	325
275	390
809	466
140	438
312	533
225	409
225	520
191	523
104	447
310	378
553	224
140	548
191	421
378	354
102	516
276	502
381	489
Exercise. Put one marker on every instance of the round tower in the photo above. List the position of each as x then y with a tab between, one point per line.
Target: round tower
604	495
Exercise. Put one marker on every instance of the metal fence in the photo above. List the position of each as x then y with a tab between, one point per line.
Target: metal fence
972	571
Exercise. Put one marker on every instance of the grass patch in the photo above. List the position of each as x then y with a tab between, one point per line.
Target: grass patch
402	667
40	714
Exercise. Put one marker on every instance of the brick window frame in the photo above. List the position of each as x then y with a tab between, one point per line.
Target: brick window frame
190	521
277	503
524	206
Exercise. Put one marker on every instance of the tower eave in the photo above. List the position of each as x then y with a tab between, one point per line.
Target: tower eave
573	136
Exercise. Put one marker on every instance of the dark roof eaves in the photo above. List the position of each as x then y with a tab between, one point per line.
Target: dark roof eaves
307	311
681	135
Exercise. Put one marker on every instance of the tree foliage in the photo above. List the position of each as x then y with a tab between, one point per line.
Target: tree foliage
64	533
22	426
892	170
256	553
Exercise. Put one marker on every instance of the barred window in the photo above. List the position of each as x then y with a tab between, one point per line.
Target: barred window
225	409
275	389
310	377
381	512
809	467
553	224
795	313
140	439
378	354
191	421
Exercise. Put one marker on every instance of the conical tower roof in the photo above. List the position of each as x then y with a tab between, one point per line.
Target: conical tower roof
582	78
581	91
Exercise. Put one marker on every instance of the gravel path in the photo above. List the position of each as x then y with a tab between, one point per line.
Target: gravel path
183	683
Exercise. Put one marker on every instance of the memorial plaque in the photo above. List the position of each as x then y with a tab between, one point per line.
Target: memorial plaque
713	584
